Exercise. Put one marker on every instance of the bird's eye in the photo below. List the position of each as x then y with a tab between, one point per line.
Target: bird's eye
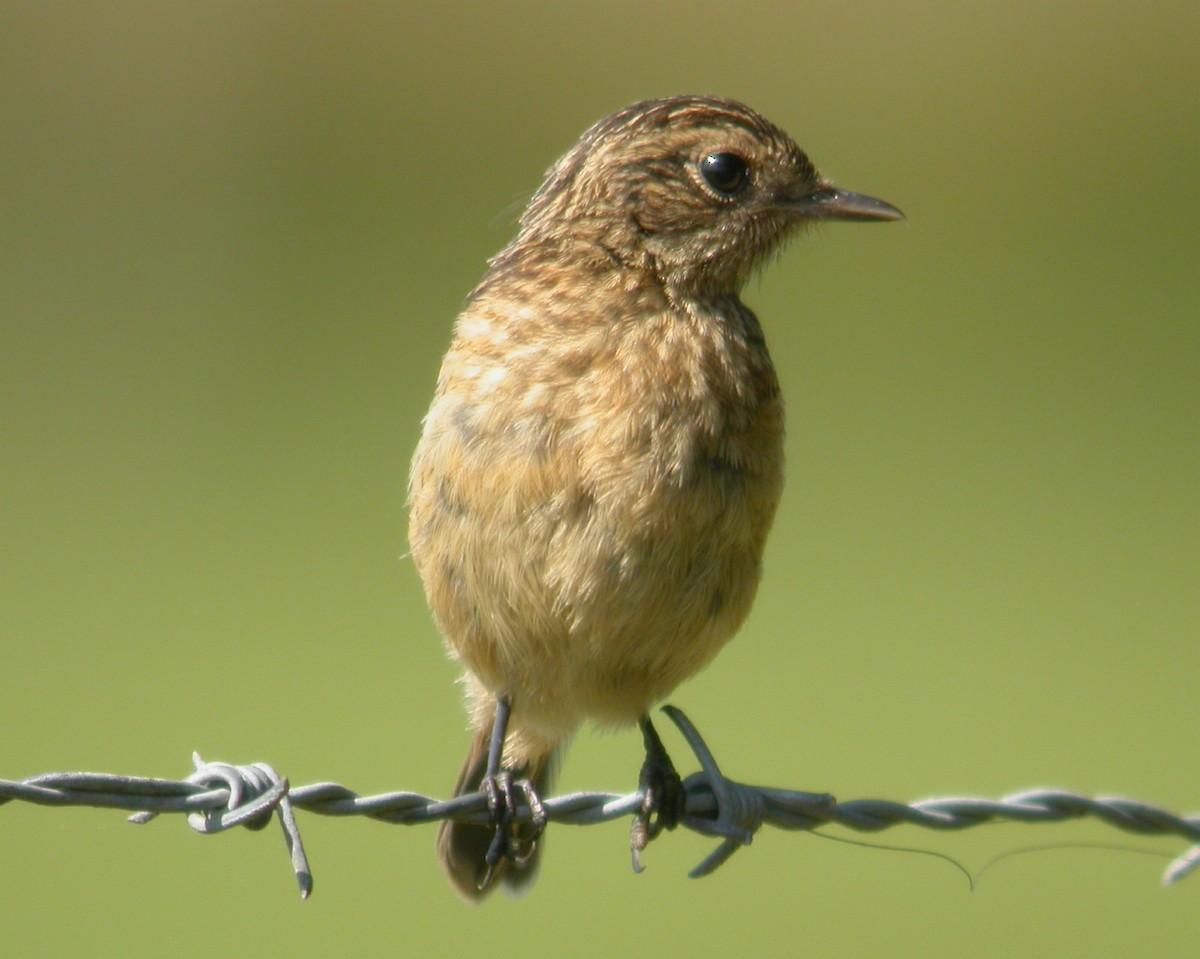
726	173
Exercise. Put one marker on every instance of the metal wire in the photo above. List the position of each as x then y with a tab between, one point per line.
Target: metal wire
220	796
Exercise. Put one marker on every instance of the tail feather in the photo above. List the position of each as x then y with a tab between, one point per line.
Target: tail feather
462	847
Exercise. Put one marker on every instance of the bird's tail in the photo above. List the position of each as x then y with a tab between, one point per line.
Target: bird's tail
462	847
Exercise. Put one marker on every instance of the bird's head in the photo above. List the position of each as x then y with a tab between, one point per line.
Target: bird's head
697	189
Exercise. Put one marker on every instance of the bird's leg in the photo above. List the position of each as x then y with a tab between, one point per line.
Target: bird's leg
663	797
497	786
659	782
501	791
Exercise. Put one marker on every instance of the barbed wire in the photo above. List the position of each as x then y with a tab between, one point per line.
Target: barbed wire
219	796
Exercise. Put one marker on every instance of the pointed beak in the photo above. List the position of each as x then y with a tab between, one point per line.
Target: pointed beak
829	202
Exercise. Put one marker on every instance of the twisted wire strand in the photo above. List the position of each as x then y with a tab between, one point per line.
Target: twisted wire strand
219	796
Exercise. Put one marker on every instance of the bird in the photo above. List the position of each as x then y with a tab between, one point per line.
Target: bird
603	457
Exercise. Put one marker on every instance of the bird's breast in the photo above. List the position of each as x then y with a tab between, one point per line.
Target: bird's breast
589	511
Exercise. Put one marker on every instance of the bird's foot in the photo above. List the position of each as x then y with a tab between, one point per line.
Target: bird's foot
514	841
663	796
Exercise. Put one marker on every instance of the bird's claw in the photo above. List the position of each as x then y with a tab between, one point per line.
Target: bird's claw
509	843
663	796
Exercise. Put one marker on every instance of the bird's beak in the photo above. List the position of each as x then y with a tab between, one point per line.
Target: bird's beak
829	202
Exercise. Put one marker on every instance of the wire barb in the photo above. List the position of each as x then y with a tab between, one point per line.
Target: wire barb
219	796
253	793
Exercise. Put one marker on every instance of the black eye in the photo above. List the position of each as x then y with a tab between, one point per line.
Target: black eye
724	172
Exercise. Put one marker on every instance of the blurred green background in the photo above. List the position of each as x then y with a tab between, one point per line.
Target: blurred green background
234	237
